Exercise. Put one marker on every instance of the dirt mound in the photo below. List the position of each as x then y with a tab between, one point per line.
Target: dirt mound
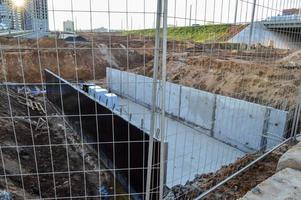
255	75
48	160
24	60
236	76
236	187
293	60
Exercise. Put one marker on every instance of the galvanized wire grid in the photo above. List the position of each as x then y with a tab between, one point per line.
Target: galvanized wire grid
191	149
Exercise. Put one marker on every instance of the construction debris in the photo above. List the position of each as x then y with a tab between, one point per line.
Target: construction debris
285	184
45	144
234	188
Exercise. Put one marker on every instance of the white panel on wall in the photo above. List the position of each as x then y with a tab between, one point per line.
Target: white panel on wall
148	90
125	84
239	122
172	100
140	95
205	106
115	81
185	98
276	127
108	77
144	89
197	107
132	86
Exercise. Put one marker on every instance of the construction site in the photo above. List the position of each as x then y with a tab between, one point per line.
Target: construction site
188	105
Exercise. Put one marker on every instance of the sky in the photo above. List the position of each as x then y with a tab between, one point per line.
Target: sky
140	14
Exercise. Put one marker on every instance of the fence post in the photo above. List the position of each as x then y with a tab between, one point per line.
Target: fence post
235	15
163	96
296	117
252	23
154	101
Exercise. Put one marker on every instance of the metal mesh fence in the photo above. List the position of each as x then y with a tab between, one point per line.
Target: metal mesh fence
144	99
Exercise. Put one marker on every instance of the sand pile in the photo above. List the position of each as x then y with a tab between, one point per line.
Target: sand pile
292	60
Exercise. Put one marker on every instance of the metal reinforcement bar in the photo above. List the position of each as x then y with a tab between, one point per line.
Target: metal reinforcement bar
242	170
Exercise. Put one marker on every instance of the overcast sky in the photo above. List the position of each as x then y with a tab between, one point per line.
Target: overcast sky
130	14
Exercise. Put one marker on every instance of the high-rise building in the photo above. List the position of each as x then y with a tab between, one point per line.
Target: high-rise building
4	15
36	15
33	15
11	16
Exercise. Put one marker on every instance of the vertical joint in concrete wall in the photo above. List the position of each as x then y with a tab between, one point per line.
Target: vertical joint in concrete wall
263	143
180	102
121	84
136	85
213	117
142	124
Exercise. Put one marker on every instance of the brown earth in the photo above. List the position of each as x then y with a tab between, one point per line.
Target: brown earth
37	159
236	187
266	76
252	76
23	60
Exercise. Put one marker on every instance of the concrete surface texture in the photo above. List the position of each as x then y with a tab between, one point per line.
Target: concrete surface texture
284	185
191	151
237	122
291	159
263	35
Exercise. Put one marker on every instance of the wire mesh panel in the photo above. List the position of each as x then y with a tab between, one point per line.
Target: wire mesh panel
133	99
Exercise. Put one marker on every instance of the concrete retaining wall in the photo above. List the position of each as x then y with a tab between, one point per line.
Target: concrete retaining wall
110	134
263	35
197	107
240	123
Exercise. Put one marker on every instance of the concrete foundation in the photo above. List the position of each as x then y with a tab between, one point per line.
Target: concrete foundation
247	126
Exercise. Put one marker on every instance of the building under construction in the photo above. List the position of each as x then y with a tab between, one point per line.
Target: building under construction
31	15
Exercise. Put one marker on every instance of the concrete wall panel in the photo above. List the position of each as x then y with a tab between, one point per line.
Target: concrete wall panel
115	80
234	121
140	95
197	107
131	86
276	127
239	122
172	101
125	87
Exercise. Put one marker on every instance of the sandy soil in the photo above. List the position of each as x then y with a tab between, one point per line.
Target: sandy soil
24	60
252	76
266	76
